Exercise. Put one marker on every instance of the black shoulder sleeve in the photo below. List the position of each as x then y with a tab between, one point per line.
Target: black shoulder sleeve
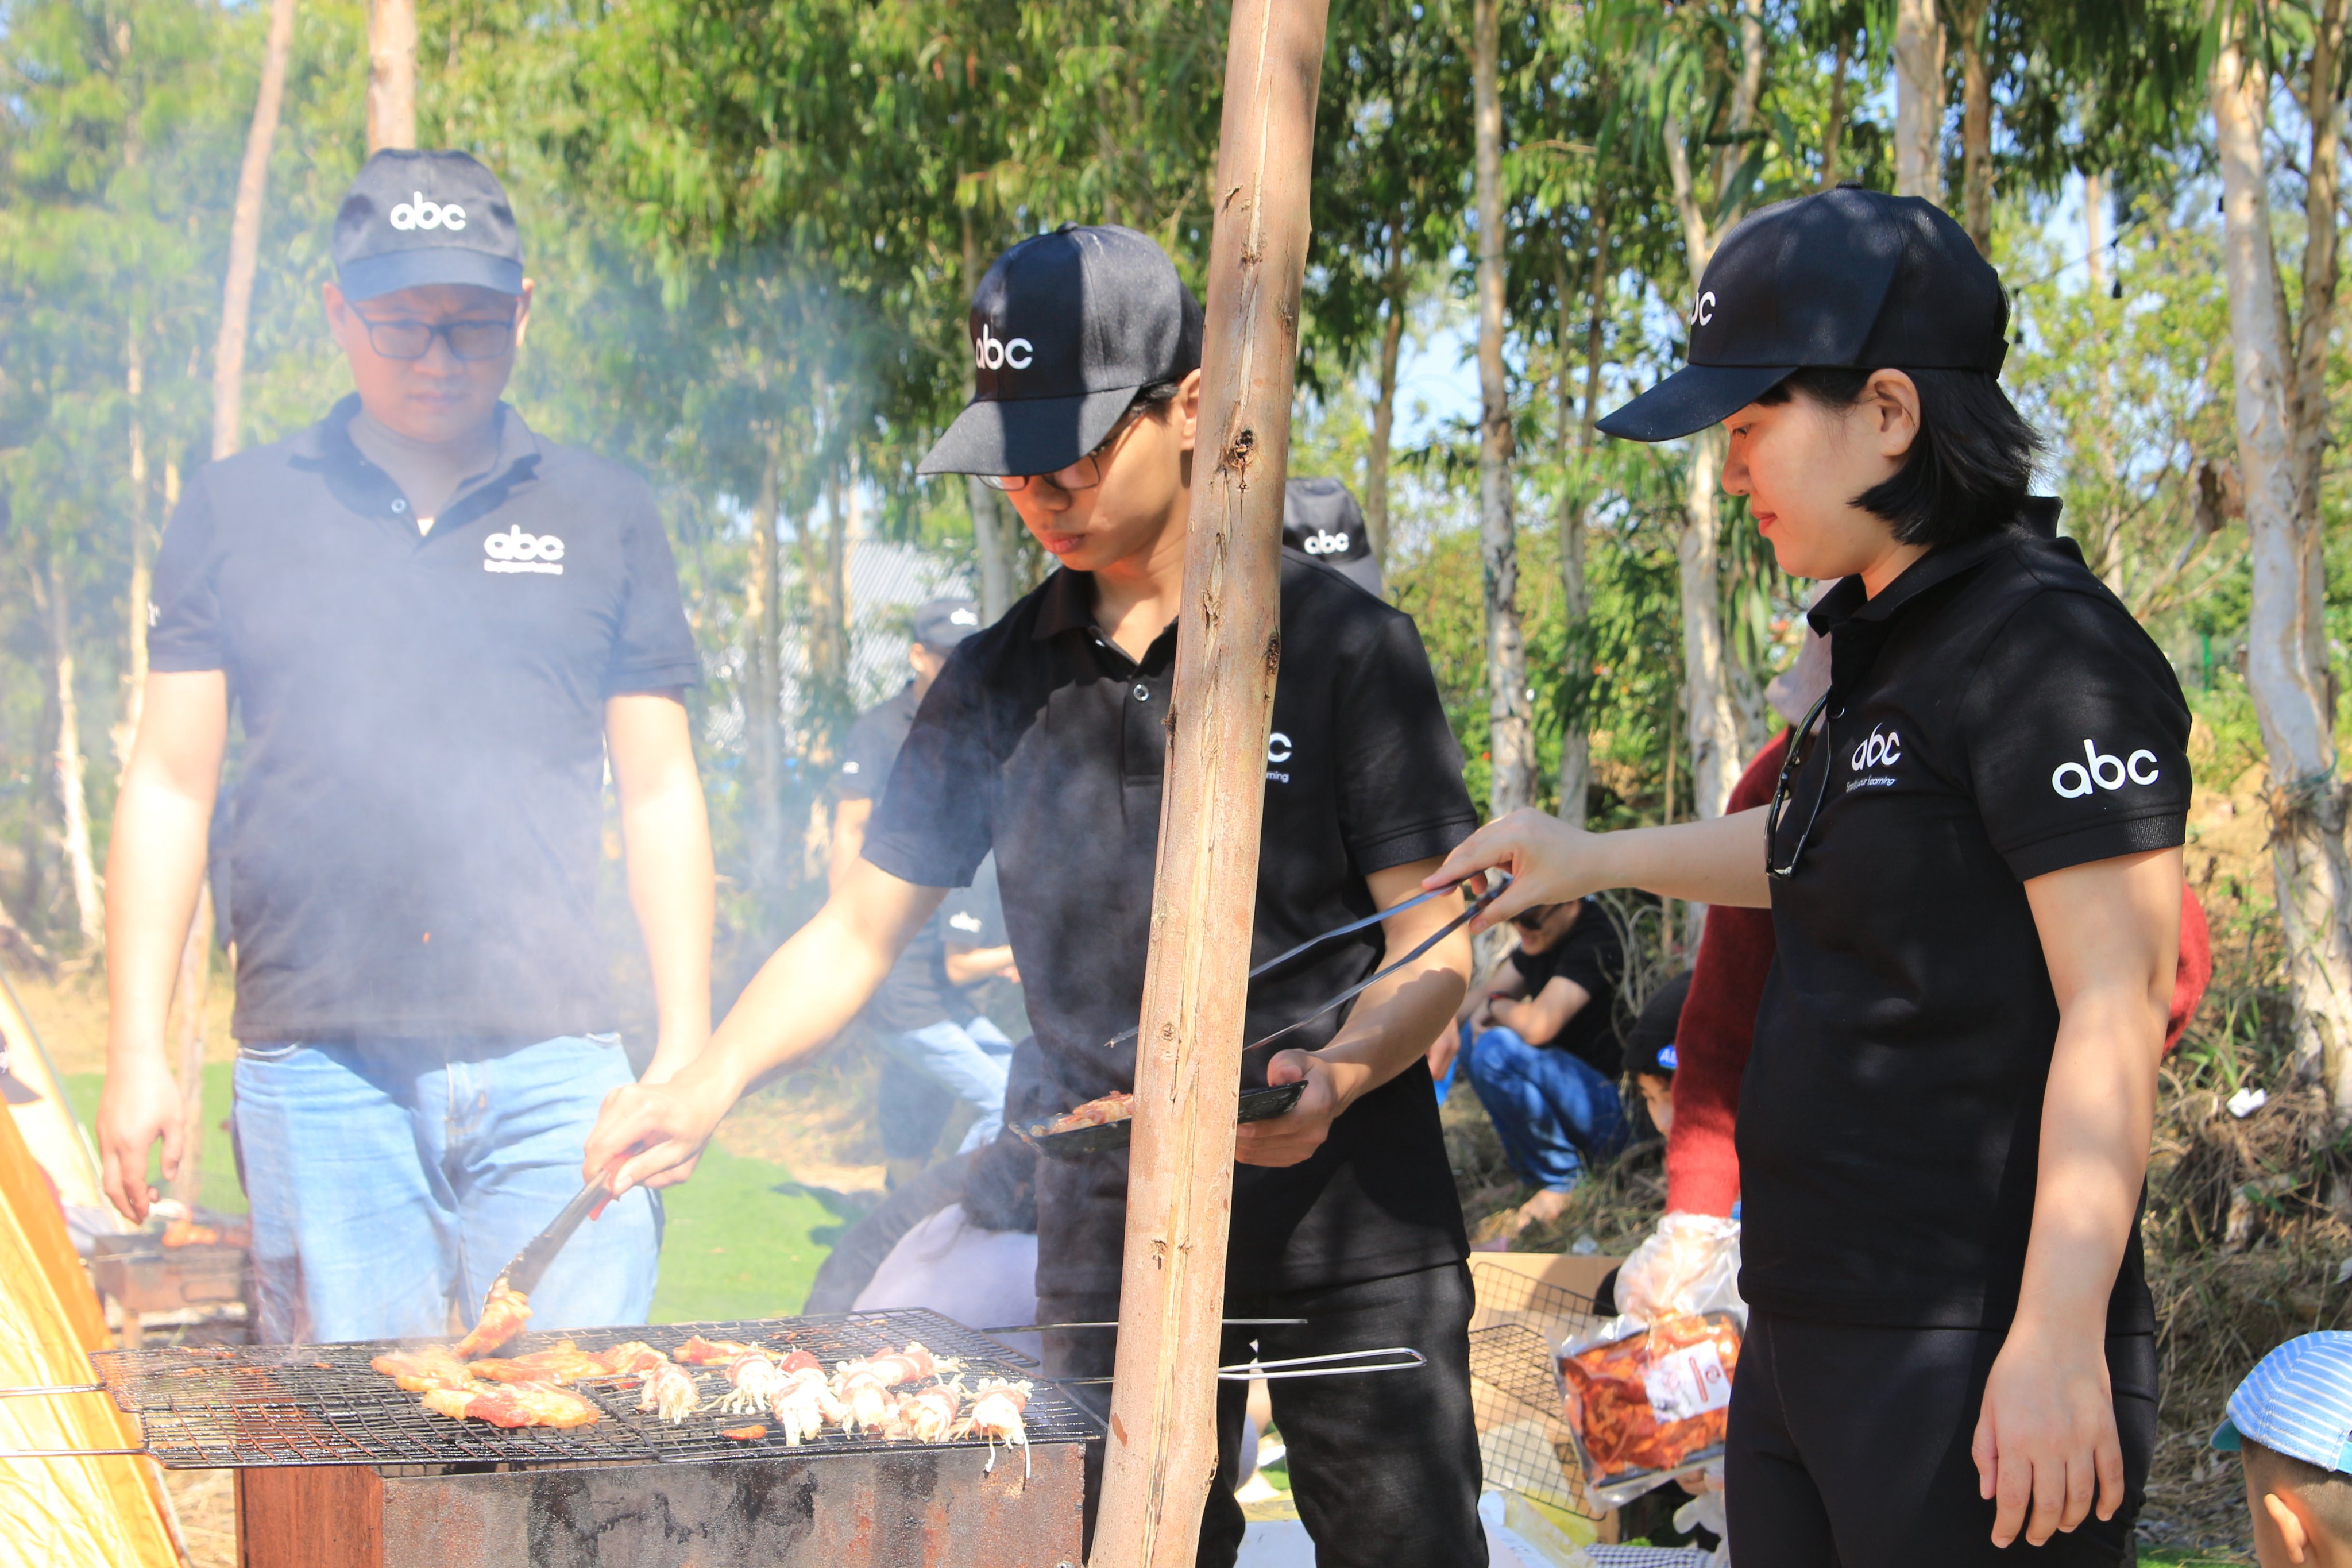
653	647
865	759
2076	736
935	821
1402	798
184	631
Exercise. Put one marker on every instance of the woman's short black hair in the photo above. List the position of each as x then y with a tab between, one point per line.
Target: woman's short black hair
1968	473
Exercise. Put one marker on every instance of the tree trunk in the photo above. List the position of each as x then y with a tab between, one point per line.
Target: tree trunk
988	548
1976	127
391	74
2285	650
244	232
73	798
2095	231
1710	710
1510	721
762	696
1919	100
1576	601
1712	716
134	664
194	991
1376	460
1834	133
989	524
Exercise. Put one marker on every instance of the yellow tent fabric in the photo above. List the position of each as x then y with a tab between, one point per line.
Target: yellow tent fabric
48	1123
62	1513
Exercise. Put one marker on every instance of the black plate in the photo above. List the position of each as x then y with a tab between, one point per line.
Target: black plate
1256	1105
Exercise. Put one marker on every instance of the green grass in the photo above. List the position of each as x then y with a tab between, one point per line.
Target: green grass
743	1240
2170	1559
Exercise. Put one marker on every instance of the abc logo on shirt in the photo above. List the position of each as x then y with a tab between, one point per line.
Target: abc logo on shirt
515	551
2101	770
419	213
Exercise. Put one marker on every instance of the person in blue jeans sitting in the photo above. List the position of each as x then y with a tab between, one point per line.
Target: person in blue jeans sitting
1538	1045
439	632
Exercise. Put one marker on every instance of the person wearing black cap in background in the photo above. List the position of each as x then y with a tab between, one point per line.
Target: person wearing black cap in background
920	1013
1973	866
1045	740
439	630
1322	522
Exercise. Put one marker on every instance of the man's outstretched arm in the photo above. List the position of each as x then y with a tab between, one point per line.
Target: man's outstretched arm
805	994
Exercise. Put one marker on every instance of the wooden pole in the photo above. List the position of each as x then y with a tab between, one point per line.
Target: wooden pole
391	74
1162	1451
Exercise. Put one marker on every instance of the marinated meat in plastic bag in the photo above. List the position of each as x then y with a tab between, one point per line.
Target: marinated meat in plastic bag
1655	1400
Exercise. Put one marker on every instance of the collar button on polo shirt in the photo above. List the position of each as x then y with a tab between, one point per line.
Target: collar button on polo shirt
418	806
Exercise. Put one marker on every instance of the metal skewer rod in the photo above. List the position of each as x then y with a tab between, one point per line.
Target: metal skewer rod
1279	959
1300	1366
1049	1328
72	1453
53	1388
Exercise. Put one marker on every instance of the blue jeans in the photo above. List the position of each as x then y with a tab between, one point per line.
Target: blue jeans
971	1061
392	1178
1552	1110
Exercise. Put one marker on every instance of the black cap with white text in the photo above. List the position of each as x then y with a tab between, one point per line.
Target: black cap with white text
1321	519
416	218
1066	328
1849	278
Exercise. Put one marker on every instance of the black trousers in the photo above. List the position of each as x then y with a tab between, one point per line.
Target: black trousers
1384	1467
1849	1447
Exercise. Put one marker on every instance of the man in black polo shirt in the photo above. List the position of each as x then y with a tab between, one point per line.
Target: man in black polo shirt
920	1013
438	631
1046	739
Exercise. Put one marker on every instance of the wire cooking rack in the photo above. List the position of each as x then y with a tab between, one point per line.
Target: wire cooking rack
1524	1439
218	1406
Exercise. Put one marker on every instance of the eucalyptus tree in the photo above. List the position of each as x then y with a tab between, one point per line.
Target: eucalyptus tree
2282	405
1389	153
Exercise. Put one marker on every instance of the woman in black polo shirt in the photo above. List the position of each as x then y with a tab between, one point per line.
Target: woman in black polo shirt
1973	866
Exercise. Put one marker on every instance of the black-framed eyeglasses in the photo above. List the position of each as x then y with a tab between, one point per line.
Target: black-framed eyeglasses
1801	747
471	340
1084	474
1532	919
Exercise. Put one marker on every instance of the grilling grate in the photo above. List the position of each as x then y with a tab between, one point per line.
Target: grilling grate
1524	1439
215	1406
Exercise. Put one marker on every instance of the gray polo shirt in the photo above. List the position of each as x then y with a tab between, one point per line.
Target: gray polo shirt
419	818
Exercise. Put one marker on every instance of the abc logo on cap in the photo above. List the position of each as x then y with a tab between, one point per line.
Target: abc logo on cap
419	213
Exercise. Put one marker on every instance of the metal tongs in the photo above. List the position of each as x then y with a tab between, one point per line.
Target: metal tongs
530	1265
1496	883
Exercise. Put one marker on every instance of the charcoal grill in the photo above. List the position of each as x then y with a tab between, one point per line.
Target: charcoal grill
338	1466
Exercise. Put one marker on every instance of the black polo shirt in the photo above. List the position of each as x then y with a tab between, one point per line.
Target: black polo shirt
1995	715
1594	956
1044	741
419	811
915	993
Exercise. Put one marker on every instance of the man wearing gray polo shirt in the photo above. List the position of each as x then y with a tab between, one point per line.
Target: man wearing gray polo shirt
440	631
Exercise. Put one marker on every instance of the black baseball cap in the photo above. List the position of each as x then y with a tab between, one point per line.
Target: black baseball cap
1847	278
940	623
1065	329
1322	520
1650	1043
414	218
